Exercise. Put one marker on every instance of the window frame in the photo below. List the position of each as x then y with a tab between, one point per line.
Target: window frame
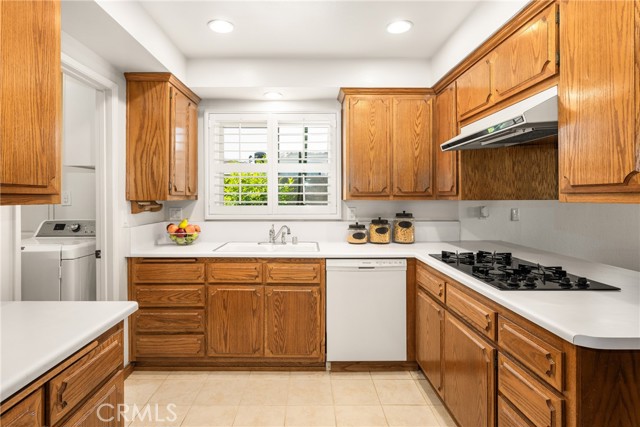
273	210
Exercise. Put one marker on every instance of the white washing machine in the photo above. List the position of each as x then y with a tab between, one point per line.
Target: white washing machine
59	262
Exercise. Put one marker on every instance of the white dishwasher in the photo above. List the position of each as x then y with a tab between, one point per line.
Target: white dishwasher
366	310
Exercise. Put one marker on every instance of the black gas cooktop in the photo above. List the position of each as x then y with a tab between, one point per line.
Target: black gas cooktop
507	273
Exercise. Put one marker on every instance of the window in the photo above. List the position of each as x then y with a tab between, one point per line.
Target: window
272	166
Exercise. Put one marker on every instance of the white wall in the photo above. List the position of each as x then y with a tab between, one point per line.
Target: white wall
9	253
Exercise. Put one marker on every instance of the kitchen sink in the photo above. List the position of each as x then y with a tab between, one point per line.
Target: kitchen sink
267	247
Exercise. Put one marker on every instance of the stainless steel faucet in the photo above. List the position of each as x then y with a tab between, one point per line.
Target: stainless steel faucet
273	236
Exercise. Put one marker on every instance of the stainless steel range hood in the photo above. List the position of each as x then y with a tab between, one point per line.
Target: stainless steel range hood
531	119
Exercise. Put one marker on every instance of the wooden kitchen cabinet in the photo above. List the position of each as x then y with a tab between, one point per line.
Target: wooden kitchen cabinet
387	144
429	330
599	116
29	412
162	138
445	128
102	409
469	375
31	102
474	90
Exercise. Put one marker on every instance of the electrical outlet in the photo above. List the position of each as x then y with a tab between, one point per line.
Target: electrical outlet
351	214
175	214
66	198
515	214
483	212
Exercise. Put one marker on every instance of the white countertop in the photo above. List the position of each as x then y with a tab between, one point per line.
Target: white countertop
596	319
35	336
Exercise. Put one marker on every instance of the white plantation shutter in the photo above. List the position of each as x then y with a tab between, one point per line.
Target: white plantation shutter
272	165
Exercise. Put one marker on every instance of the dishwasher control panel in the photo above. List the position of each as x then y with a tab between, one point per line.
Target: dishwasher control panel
385	263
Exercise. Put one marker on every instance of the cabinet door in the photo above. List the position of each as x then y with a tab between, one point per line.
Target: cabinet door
368	147
192	137
598	144
179	143
474	91
30	102
429	324
469	379
528	56
235	323
294	319
29	412
102	409
412	146
446	127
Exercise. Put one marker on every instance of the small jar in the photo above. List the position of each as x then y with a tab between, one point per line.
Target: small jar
379	231
357	234
403	228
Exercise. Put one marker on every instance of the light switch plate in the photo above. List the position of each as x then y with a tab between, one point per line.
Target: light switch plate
351	214
515	214
66	198
175	214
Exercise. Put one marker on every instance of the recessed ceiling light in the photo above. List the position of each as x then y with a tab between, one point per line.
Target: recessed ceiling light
273	95
220	26
399	27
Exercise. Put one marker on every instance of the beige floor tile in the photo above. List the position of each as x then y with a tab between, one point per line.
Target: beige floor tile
404	416
310	374
139	391
138	375
350	375
274	375
360	416
265	391
263	416
392	375
158	415
443	417
354	392
189	375
309	391
418	375
399	392
206	416
429	393
229	374
310	416
177	391
221	391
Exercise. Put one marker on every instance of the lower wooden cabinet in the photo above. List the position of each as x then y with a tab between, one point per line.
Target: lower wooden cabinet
469	379
28	413
102	409
429	328
235	326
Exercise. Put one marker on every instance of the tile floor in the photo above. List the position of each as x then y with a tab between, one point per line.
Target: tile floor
301	399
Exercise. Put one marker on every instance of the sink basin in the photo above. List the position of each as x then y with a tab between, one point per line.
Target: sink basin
268	247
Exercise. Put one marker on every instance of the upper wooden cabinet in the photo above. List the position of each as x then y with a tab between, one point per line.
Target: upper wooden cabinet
162	138
30	102
445	128
387	143
525	58
599	123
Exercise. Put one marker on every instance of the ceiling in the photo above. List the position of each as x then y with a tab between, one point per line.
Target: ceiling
336	29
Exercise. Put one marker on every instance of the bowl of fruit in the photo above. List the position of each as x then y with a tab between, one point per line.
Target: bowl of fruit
183	233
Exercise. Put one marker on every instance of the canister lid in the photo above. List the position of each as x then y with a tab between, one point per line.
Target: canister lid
404	214
356	226
379	221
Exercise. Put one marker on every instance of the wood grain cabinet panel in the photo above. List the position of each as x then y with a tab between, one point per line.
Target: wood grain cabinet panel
292	272
169	321
429	281
480	316
31	102
445	128
599	134
429	329
169	273
540	406
527	57
367	146
169	295
102	409
293	322
169	346
234	272
469	375
474	89
161	138
79	380
412	146
544	359
509	417
28	413
235	325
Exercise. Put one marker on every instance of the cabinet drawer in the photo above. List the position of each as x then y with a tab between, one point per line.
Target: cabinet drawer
430	282
169	346
234	272
27	413
542	358
79	380
103	405
170	272
536	402
477	314
169	295
169	321
285	272
509	417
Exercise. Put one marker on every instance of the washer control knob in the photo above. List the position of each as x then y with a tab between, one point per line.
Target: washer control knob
74	227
